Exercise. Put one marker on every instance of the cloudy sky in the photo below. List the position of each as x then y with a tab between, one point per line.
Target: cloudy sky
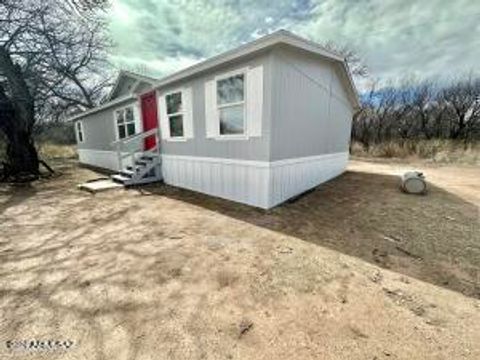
396	38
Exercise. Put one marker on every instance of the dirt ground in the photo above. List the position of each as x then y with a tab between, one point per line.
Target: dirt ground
353	270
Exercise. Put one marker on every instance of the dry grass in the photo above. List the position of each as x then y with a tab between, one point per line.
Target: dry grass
56	151
48	151
442	151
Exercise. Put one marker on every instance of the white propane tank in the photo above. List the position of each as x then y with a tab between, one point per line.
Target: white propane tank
413	182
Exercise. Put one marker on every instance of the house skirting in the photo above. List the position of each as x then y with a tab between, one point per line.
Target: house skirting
101	158
258	183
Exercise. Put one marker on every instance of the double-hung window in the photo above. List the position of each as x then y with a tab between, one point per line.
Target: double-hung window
125	120
175	114
79	126
231	104
234	104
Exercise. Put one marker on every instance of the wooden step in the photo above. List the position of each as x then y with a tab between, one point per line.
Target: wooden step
147	157
136	168
142	162
120	178
127	173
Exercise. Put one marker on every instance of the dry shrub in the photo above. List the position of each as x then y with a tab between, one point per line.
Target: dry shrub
358	149
437	150
46	151
390	149
56	151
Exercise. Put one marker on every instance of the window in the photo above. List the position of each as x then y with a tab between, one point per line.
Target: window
79	131
175	114
176	120
234	104
125	122
231	104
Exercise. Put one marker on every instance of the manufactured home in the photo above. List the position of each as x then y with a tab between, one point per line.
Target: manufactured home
258	124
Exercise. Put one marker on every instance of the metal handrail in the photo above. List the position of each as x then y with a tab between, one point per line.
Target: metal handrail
151	151
136	136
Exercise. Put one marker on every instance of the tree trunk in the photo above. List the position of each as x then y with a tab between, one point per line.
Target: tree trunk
22	160
22	157
16	122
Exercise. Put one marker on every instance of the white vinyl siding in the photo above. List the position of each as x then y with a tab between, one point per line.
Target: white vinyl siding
259	183
176	121
234	104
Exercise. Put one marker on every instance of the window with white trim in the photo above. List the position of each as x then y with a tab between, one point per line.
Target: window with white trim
125	120
175	114
231	104
80	135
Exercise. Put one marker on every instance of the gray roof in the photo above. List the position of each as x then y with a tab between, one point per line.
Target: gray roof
148	79
127	73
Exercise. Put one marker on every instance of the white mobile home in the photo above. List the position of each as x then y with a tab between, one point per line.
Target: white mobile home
258	124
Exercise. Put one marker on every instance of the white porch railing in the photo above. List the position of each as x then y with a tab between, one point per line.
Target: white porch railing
123	153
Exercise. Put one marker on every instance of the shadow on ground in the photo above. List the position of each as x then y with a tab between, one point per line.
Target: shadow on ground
125	277
435	238
16	194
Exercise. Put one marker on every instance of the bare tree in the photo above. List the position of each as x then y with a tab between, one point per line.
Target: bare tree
462	107
52	58
364	120
420	111
355	62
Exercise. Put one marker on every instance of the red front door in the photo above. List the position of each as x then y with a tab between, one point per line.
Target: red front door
149	116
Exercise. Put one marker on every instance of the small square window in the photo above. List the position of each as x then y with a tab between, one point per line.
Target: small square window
125	119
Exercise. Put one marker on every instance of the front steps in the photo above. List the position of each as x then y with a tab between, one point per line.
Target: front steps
145	169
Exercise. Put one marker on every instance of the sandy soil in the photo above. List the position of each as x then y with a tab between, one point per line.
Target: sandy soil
353	270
